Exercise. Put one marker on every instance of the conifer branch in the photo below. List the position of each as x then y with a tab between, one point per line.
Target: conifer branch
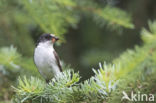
129	72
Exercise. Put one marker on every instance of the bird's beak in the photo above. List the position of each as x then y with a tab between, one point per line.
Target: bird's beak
54	39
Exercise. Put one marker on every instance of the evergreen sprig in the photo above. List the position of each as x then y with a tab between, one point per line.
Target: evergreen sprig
56	16
12	62
130	72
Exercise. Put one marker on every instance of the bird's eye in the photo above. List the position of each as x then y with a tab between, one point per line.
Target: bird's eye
48	37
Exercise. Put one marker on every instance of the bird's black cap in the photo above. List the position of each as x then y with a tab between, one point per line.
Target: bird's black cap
46	37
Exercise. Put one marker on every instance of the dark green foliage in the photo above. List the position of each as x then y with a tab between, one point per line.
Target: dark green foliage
56	16
133	71
85	21
10	23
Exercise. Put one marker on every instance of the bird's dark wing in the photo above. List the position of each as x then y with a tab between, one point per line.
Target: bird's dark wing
57	60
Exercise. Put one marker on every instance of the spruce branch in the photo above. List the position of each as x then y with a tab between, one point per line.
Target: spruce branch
131	71
149	36
57	16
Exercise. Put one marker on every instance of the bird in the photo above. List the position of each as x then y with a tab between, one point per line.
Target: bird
46	58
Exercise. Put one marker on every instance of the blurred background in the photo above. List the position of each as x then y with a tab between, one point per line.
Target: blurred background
84	42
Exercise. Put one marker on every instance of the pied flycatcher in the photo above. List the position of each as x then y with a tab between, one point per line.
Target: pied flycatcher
46	58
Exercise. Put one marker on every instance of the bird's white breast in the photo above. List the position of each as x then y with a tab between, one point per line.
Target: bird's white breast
45	60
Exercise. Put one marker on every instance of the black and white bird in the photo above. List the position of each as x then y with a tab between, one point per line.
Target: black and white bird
46	58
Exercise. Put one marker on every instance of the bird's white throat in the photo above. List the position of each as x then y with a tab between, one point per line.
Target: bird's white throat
47	44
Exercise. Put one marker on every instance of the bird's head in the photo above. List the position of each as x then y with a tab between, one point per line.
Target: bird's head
47	38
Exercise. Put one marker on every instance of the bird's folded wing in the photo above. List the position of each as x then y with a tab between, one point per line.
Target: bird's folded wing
57	60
